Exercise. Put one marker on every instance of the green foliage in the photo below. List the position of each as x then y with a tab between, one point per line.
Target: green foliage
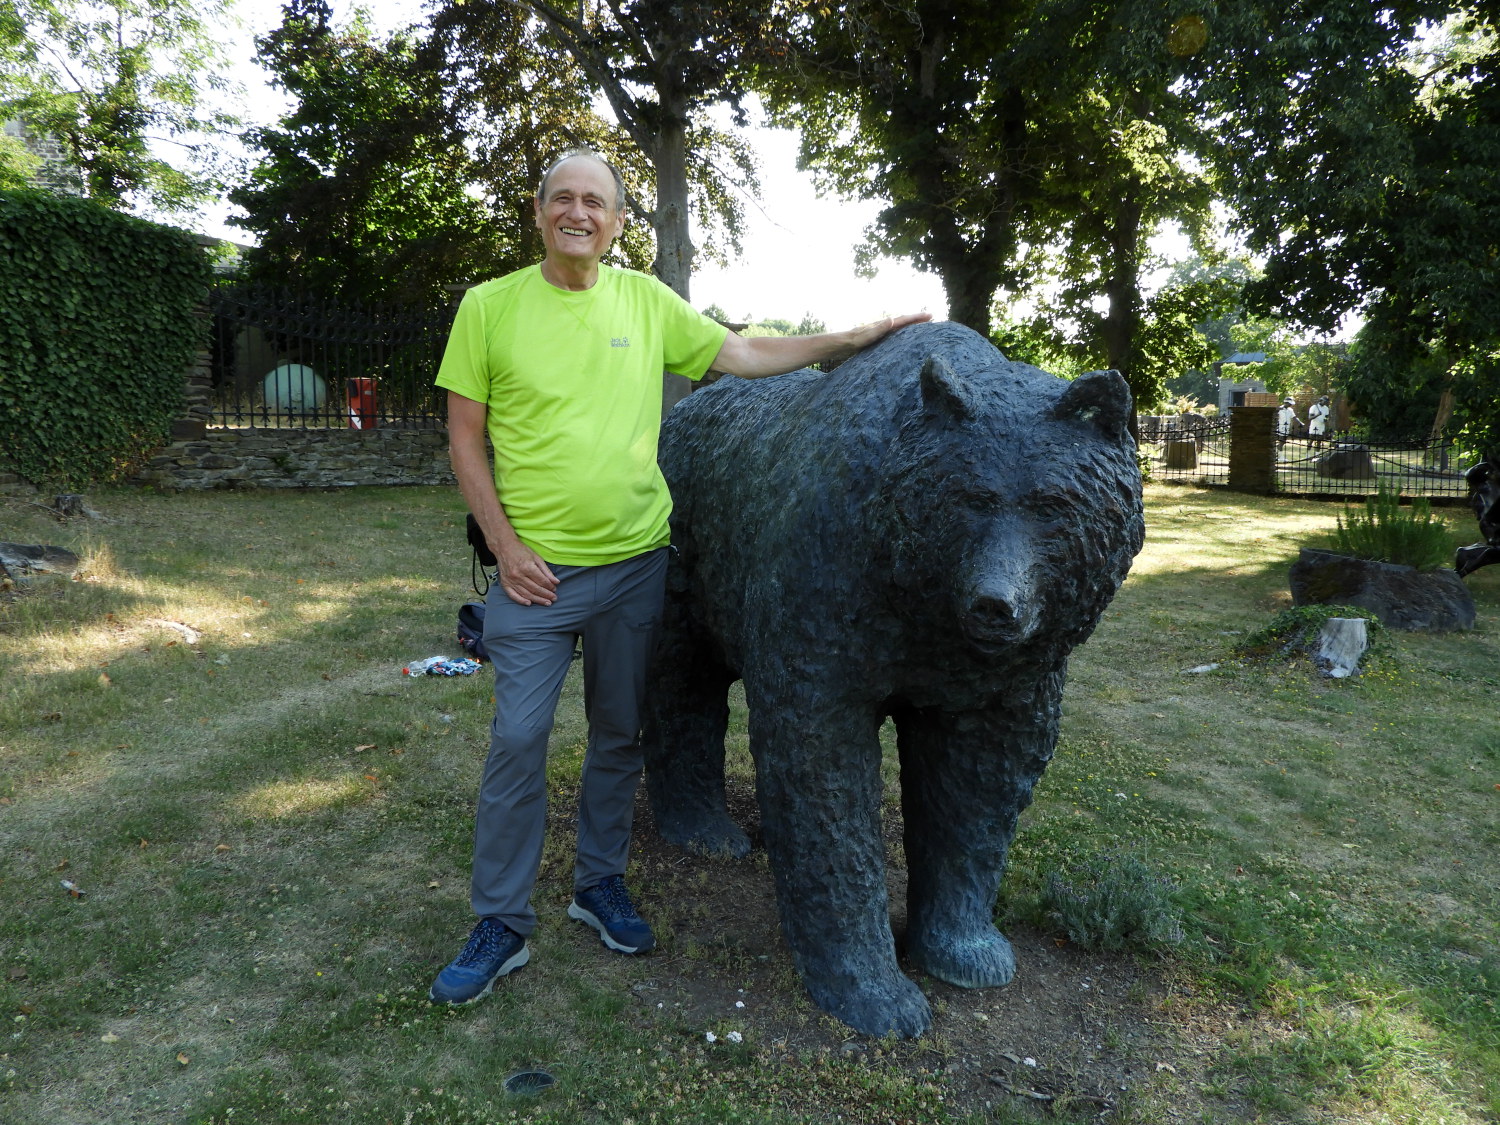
809	325
17	164
1168	339
1145	463
1114	901
1294	630
1376	194
1388	532
109	77
363	190
774	326
1029	153
98	322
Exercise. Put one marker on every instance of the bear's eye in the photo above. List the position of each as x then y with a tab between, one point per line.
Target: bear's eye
975	500
1050	511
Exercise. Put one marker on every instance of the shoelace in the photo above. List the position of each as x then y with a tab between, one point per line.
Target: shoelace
616	898
483	943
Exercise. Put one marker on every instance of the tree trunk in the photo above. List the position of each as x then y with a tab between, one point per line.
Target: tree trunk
674	244
969	295
1122	288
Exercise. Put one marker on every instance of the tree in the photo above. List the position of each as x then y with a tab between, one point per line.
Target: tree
17	164
514	99
112	79
360	192
408	162
1431	339
660	64
1005	136
1166	342
1361	167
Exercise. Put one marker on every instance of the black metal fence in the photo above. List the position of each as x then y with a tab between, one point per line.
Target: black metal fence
285	359
1188	452
1347	466
1197	452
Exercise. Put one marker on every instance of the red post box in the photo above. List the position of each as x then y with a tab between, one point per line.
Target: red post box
362	410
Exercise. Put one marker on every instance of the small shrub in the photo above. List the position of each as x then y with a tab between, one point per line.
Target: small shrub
1387	532
1112	902
1293	630
1144	463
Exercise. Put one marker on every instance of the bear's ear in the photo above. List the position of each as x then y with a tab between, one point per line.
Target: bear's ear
1100	397
944	390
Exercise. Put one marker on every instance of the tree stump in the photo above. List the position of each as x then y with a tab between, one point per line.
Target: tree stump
67	505
1340	645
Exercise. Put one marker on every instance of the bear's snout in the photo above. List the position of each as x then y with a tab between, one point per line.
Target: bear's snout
999	612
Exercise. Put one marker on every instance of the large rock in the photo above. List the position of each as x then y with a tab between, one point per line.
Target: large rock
1424	601
1346	462
923	534
35	558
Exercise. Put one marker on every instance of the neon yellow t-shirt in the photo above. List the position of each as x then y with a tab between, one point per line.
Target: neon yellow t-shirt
573	385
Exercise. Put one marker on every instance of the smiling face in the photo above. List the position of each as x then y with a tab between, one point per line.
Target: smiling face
580	216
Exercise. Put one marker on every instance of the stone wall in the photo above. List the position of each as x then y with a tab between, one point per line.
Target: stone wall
57	173
203	458
269	458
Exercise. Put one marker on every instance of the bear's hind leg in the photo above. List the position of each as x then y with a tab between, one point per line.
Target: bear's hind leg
687	715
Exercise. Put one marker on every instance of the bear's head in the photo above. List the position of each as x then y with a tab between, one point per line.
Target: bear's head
1012	505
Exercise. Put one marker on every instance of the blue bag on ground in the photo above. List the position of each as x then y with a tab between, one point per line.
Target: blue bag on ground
471	630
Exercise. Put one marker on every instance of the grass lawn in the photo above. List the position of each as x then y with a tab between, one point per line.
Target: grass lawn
207	733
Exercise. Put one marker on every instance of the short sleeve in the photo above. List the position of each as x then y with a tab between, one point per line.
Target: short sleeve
465	367
690	340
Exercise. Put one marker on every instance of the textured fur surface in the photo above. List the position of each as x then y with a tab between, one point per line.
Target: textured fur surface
923	534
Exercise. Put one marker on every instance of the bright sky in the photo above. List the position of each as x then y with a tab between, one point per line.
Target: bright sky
799	255
798	248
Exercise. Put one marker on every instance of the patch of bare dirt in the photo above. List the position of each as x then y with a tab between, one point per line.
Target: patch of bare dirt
1086	1033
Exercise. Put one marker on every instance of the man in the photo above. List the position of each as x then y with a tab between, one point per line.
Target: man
560	364
1317	419
1286	417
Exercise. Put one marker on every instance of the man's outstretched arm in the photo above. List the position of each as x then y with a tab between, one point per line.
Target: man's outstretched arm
758	356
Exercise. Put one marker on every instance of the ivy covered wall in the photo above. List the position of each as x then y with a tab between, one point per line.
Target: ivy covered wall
100	314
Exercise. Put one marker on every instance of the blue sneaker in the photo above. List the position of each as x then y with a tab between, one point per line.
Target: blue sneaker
609	910
493	949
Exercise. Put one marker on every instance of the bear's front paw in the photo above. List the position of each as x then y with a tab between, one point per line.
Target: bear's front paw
878	1007
704	834
978	960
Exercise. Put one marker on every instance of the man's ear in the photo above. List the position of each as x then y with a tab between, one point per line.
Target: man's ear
536	211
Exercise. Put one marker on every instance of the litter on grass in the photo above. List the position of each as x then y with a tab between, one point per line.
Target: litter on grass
441	666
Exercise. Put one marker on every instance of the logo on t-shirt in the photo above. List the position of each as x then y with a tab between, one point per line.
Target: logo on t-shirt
619	341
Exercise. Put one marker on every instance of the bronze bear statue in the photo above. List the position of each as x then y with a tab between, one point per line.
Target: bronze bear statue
924	534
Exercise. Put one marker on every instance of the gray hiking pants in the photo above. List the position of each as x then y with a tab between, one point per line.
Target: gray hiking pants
615	609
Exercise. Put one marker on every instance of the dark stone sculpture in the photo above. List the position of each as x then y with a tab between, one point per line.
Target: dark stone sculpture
1346	461
1484	497
925	534
1403	597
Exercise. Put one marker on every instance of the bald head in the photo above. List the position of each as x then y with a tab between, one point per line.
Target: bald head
583	154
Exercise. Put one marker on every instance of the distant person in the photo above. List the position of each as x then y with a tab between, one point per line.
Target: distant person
1317	419
1286	418
560	365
